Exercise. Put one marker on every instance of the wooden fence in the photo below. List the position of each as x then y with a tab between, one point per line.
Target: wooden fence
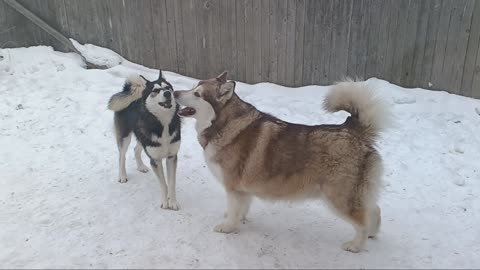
432	44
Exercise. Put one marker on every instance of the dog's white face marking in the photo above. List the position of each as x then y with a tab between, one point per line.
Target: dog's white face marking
160	104
163	85
204	113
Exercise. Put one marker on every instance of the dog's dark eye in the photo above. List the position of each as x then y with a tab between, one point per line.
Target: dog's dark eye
196	94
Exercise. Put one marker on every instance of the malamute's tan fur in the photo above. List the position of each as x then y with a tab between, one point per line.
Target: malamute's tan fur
256	154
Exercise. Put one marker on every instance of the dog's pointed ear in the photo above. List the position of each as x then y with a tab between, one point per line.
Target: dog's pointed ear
226	91
160	75
222	78
146	81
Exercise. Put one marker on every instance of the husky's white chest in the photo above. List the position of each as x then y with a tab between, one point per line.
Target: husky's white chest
166	148
209	154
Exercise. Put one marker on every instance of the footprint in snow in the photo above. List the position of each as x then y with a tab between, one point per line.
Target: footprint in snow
404	100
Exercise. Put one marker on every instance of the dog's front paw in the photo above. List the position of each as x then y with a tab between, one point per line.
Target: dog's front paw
142	168
225	228
122	180
173	205
352	246
164	204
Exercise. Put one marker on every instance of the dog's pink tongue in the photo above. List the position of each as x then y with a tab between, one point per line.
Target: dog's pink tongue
187	111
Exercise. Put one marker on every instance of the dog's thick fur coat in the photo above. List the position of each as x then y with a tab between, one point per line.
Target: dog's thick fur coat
148	110
256	154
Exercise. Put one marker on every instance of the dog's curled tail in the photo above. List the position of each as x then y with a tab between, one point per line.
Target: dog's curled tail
132	91
357	98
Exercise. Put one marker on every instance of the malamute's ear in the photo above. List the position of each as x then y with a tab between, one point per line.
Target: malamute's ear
226	91
222	78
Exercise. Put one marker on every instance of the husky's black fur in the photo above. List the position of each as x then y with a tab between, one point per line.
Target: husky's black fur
143	123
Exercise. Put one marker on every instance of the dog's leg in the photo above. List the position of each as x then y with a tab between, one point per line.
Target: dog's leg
138	158
123	144
375	220
236	203
244	210
158	170
354	211
358	217
172	179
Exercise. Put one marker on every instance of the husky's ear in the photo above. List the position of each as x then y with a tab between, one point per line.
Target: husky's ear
222	78
226	90
160	75
146	81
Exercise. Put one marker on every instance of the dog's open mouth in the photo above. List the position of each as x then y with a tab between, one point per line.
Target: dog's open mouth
187	111
166	104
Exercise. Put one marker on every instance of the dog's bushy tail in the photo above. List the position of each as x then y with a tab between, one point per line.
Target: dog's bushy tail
132	91
357	98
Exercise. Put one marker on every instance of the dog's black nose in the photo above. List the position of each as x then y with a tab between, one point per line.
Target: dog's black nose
167	94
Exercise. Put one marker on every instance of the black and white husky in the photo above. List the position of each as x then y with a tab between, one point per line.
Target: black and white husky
148	109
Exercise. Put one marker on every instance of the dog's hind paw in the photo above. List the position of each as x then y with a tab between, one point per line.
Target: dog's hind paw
122	180
352	247
225	228
142	168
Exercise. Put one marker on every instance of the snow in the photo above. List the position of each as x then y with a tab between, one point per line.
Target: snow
62	207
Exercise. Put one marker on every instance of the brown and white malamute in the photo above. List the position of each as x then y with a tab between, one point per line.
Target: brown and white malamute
255	154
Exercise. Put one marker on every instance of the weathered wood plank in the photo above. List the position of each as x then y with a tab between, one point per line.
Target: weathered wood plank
290	40
299	39
229	48
83	16
281	36
274	13
179	36
308	42
171	30
217	25
165	59
249	42
265	48
472	49
409	43
257	41
15	30
383	35
357	52
430	43
319	44
399	42
393	17
476	77
340	39
373	43
458	56
420	43
201	29
441	45
453	37
323	65
53	13
241	53
191	45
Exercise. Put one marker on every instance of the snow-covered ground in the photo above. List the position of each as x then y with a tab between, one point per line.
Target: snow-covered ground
61	204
